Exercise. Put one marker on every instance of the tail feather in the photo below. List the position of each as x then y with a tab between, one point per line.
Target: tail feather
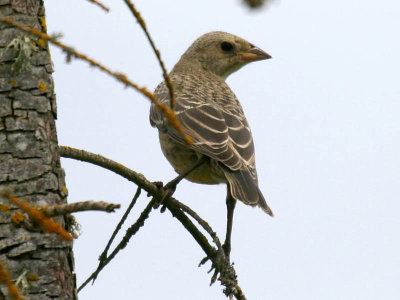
243	187
263	204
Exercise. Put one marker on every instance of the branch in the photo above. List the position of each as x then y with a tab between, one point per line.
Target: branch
98	3
129	233
168	113
156	51
219	262
63	209
103	255
199	220
141	181
173	207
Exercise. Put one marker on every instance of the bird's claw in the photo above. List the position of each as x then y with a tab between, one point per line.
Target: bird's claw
159	185
203	261
168	190
213	267
217	263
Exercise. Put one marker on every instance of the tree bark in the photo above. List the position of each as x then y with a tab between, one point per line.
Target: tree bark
29	159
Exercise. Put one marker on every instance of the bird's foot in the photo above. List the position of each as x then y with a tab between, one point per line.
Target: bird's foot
219	262
167	190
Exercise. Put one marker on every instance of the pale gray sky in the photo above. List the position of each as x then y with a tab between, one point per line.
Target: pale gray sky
325	119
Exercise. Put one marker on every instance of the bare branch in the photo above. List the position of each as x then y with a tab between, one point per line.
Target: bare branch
156	51
63	209
168	113
199	220
219	261
98	3
129	233
103	255
141	181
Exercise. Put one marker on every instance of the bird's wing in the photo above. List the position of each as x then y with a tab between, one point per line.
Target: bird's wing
217	133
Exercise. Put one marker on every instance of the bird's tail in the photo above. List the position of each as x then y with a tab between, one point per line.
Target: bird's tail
243	187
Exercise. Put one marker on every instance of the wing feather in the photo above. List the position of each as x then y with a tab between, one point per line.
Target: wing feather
217	132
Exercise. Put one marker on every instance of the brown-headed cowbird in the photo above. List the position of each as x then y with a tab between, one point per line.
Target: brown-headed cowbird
212	116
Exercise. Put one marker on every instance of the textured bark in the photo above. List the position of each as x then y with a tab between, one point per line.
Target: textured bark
30	161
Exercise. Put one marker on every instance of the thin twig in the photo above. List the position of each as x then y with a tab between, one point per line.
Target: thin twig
167	79
129	233
197	235
68	208
199	220
103	255
98	3
168	113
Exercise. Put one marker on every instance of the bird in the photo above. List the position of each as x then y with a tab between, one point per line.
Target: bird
222	148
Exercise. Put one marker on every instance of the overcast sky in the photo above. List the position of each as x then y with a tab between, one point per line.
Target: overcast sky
325	119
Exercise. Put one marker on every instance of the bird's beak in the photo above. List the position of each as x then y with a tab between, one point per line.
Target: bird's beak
253	54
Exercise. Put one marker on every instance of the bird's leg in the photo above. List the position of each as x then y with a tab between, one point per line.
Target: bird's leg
220	260
230	205
174	182
170	187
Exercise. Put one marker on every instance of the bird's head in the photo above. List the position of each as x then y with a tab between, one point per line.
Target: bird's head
221	53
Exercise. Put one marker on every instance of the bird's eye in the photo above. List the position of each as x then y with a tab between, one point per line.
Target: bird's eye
226	46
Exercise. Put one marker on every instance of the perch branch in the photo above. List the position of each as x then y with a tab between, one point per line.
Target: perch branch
220	262
136	178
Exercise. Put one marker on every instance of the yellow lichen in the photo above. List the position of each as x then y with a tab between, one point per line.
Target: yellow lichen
41	43
42	86
17	218
13	81
32	277
43	23
5	208
64	189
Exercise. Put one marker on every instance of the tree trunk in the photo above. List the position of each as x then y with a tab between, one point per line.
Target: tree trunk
29	158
